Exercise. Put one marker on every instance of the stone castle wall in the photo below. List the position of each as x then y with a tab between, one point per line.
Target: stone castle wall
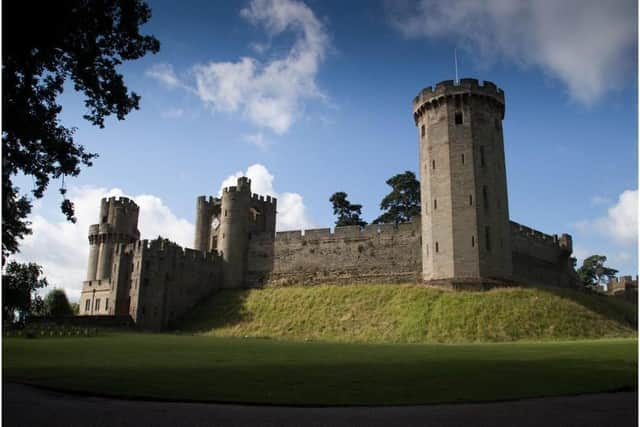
540	259
167	281
383	253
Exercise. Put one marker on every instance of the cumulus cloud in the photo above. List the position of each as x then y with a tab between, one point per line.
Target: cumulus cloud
62	248
292	214
269	94
165	74
621	222
587	44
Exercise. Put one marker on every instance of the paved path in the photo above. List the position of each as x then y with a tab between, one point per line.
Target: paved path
28	406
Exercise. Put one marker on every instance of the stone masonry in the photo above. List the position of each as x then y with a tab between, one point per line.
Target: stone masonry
463	238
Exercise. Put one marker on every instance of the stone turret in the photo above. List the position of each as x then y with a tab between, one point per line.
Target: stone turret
206	211
118	224
233	235
465	213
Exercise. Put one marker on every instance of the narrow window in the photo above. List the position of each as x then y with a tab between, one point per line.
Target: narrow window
482	156
433	164
458	118
473	241
225	212
87	305
437	247
422	131
463	158
470	199
435	204
97	307
485	197
487	238
106	304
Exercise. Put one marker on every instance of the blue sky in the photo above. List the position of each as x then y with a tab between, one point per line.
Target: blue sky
315	97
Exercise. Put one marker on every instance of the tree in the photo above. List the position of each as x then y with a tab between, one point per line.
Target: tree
20	283
403	203
75	308
56	304
46	44
593	271
348	214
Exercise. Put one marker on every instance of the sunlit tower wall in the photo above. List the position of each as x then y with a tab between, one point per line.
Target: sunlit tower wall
118	224
465	214
206	210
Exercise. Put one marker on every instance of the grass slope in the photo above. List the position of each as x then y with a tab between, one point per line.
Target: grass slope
182	367
411	314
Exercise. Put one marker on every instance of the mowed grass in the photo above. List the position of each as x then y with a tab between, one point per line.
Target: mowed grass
183	367
411	314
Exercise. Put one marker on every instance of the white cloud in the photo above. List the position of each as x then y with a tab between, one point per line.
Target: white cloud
587	44
292	213
259	140
621	222
62	248
270	94
165	74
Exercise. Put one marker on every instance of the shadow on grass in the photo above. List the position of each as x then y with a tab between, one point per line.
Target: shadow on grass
612	308
228	304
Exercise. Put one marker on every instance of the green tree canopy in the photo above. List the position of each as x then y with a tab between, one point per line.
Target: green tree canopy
45	44
347	213
56	304
593	271
403	203
20	283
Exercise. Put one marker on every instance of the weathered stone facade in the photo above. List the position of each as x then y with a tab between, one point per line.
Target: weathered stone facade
463	238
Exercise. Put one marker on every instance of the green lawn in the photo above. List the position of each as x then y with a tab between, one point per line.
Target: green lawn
184	367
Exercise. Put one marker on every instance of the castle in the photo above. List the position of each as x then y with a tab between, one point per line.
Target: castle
463	238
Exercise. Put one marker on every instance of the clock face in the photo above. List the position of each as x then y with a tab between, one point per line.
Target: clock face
215	223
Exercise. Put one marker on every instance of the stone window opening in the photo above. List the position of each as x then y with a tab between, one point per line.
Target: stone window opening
225	212
470	199
485	196
422	131
473	241
487	238
87	305
463	158
482	156
106	304
433	164
458	118
435	204
97	305
437	247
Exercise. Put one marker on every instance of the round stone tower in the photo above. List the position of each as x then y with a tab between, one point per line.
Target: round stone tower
233	235
204	218
465	212
118	224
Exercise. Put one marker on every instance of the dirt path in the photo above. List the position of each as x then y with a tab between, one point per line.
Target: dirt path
29	406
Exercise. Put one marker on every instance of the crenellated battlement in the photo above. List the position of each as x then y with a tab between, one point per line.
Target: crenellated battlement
351	231
170	250
519	230
432	97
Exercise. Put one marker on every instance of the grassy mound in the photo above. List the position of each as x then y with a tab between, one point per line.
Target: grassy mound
411	314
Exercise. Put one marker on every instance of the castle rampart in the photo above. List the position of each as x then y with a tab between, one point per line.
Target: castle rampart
383	253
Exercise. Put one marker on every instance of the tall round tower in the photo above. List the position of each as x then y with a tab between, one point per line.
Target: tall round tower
233	235
465	211
204	218
118	224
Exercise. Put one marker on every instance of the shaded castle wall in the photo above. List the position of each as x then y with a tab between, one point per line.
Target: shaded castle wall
540	259
167	281
382	253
